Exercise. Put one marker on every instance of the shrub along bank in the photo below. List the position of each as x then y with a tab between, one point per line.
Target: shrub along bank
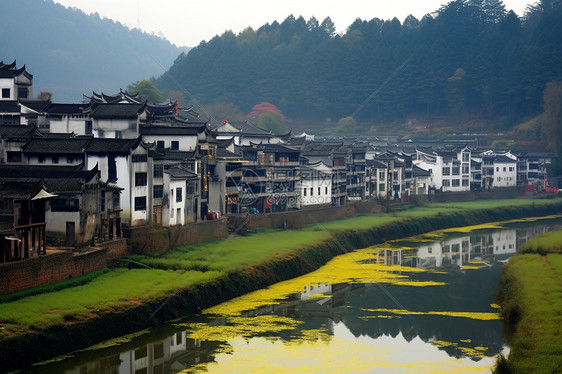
162	287
530	294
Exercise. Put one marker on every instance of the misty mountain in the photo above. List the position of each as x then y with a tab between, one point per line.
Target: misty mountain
70	53
470	59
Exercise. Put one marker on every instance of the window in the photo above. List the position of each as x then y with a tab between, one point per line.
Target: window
178	195
140	203
175	145
116	199
465	169
118	135
326	190
89	128
456	170
158	192
140	179
446	171
381	175
446	183
41	159
65	204
465	156
23	93
455	182
102	208
141	352
13	156
160	144
511	168
465	182
311	191
139	158
191	188
504	168
319	193
55	159
158	171
5	93
69	159
304	190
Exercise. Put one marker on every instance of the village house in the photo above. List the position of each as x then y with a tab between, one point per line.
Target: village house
15	83
72	211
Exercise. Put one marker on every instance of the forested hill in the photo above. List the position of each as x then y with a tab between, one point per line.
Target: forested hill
70	53
470	57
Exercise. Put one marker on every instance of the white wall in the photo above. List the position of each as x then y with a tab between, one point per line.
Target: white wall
175	218
186	143
68	124
505	174
8	83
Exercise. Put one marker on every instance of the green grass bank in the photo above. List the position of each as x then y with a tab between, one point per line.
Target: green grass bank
530	294
157	288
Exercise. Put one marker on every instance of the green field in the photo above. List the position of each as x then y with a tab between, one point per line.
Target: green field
160	276
531	298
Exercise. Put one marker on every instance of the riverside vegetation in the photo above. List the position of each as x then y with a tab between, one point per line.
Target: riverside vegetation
531	298
159	287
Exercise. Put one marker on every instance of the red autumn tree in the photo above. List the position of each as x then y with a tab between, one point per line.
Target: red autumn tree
261	108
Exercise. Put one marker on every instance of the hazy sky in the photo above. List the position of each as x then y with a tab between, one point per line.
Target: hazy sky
188	22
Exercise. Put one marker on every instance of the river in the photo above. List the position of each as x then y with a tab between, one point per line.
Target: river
423	304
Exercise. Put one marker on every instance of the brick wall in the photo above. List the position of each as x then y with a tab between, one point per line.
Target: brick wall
297	219
148	240
57	266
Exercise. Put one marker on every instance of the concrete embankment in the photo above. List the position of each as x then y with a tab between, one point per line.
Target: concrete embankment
78	334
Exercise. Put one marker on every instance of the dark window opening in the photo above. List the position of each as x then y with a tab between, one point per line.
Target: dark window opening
140	203
140	179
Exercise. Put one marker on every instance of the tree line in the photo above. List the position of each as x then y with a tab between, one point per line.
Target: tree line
470	57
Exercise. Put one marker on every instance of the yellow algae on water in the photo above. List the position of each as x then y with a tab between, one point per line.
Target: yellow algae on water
344	353
241	327
347	268
473	352
483	226
485	316
472	267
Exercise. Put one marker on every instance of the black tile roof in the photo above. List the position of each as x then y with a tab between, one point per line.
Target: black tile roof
36	105
9	106
10	71
179	172
419	172
112	146
59	109
171	130
103	111
57	145
22	132
166	154
22	172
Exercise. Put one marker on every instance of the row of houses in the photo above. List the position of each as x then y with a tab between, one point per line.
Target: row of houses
114	160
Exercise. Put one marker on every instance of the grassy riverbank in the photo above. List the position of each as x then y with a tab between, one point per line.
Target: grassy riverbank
531	298
194	277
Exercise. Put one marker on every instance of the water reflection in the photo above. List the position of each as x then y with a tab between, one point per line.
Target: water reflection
427	309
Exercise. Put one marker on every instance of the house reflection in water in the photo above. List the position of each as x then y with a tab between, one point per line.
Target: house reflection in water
173	354
459	251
